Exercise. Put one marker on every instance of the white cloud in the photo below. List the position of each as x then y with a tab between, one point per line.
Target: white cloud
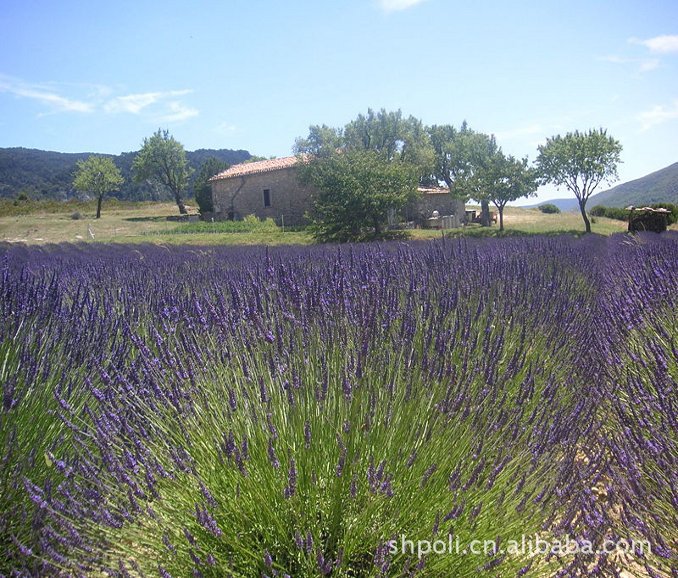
45	95
177	112
660	44
164	106
395	5
644	64
135	103
658	114
225	127
131	103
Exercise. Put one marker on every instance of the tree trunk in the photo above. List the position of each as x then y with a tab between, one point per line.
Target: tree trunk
377	227
501	218
485	213
180	204
99	200
587	223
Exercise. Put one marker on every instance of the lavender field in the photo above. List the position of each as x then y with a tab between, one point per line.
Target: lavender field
312	411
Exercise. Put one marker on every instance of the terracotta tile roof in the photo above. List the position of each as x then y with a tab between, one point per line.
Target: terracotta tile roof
243	169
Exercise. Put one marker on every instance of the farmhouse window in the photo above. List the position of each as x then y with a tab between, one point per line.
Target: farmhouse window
267	197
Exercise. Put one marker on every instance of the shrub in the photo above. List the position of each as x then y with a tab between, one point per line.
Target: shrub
76	216
549	208
250	224
254	223
620	214
673	216
616	213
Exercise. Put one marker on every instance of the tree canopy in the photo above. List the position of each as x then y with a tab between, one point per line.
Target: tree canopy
473	166
356	189
507	179
470	163
97	175
363	171
460	156
162	160
580	162
387	134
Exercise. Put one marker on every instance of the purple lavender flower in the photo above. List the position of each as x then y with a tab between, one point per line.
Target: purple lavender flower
307	434
291	488
273	458
268	561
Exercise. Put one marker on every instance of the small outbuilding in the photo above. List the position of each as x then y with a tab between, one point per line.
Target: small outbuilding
647	219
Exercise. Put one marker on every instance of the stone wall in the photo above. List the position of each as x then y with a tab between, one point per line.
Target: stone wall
236	197
426	203
648	220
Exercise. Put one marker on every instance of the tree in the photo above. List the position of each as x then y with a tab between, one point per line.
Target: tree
462	157
363	171
508	179
162	160
392	136
97	175
388	134
201	185
356	191
580	162
321	141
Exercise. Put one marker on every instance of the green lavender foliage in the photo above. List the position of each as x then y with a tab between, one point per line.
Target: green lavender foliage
247	412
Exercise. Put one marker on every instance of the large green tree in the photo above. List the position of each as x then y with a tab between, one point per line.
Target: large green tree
97	175
363	171
462	158
392	136
580	162
322	141
162	160
507	179
387	133
202	187
356	189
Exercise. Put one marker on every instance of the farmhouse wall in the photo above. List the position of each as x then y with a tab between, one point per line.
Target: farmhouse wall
236	197
427	202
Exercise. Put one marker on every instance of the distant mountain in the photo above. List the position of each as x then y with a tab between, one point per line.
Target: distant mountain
658	187
49	175
569	204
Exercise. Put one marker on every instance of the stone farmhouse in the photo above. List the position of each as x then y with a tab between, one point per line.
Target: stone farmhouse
263	188
271	189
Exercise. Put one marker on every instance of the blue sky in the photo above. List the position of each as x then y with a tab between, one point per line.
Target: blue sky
91	76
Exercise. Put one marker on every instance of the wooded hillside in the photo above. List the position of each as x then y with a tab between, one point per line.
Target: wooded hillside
49	175
658	187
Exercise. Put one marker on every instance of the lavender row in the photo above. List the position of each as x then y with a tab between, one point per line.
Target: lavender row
292	411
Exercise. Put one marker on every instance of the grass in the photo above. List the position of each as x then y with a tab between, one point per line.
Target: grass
519	221
42	222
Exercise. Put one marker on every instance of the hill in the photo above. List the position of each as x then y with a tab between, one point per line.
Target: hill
568	204
658	187
49	175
